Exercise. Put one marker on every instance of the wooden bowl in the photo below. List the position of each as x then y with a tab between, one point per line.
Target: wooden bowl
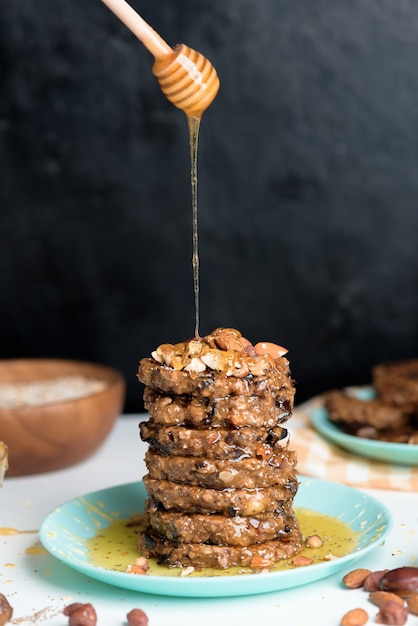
60	433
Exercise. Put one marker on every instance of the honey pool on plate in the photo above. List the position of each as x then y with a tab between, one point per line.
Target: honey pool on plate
89	535
113	547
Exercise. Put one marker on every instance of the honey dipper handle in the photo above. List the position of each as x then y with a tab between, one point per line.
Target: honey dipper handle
145	33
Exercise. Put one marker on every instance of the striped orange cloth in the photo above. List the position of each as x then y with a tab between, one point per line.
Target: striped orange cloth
322	459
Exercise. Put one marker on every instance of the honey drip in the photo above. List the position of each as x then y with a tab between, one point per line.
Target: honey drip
194	125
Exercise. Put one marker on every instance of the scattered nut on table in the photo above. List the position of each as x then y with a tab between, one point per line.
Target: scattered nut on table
81	614
355	617
355	579
137	617
392	613
388	590
6	611
402	581
373	580
381	597
85	615
412	603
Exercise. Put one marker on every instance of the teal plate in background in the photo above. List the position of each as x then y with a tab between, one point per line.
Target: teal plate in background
396	453
64	531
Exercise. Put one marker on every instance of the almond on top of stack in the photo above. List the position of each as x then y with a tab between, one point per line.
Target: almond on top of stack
221	478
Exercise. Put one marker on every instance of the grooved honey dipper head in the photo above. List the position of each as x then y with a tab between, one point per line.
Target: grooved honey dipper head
187	79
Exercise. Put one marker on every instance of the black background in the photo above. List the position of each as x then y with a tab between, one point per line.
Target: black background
308	183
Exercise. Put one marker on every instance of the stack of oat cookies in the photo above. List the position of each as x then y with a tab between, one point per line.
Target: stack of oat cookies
221	478
390	416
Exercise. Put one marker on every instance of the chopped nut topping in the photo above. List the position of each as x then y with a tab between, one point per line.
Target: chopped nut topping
259	562
225	350
140	567
314	541
301	561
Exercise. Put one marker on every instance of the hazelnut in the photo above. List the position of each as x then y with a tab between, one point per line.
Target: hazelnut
70	608
6	611
392	613
81	614
137	617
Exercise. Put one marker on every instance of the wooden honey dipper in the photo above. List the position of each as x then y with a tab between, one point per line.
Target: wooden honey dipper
185	76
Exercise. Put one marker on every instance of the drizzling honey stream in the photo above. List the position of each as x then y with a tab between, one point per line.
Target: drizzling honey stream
190	82
194	124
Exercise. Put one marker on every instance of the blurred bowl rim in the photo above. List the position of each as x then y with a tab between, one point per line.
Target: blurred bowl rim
110	375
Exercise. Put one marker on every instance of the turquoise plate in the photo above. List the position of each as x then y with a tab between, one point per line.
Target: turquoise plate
395	453
64	531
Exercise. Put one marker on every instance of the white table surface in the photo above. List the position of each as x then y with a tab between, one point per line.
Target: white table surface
38	597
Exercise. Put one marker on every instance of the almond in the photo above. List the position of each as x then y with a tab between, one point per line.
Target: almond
259	562
355	579
355	617
266	347
300	561
314	541
380	597
412	603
